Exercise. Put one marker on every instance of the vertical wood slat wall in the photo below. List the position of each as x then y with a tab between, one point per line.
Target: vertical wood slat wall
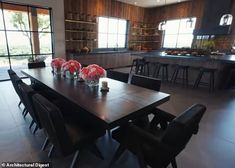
133	13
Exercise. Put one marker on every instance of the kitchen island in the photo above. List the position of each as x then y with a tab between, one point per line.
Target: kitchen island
221	63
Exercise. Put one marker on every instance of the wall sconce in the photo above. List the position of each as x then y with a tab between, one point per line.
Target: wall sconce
226	20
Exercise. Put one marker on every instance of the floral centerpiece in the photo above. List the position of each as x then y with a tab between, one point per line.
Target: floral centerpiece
71	68
92	73
56	65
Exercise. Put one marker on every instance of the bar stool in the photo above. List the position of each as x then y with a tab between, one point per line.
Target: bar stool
163	68
183	70
211	83
140	65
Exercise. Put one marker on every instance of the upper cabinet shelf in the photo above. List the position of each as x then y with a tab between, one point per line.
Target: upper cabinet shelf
79	21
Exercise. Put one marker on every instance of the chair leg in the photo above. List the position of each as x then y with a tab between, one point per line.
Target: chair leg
95	150
25	113
176	75
51	151
173	163
19	103
141	161
45	144
166	73
196	83
31	124
35	129
117	154
75	157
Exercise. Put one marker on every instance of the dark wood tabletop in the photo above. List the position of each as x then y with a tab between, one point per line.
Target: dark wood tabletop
121	103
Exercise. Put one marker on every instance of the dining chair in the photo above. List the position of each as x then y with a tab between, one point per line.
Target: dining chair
65	136
27	92
120	76
149	83
15	79
165	138
11	73
146	82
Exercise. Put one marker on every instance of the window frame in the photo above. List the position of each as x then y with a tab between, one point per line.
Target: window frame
178	34
107	33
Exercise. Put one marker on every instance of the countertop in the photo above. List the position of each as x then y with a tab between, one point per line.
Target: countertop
220	58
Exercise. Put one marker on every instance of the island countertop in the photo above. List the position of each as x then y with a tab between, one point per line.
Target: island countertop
217	58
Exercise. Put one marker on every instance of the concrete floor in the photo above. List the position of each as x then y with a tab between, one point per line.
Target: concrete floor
212	147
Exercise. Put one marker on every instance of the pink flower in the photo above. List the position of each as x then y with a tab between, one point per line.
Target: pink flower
57	62
92	71
71	66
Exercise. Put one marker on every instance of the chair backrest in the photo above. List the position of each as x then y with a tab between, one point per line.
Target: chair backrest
15	81
27	92
53	123
120	76
180	130
11	72
146	82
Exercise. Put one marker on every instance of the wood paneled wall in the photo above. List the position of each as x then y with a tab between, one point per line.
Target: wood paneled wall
106	8
193	8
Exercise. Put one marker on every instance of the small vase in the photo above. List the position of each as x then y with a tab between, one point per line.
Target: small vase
92	82
69	75
57	71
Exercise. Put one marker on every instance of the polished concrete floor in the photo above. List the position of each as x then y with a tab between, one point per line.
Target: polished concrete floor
212	147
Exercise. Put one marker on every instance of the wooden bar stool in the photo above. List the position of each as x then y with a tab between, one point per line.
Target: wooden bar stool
211	82
183	71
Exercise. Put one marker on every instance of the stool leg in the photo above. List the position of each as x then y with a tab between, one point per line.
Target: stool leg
183	77
166	73
173	75
186	77
176	75
158	70
163	73
196	83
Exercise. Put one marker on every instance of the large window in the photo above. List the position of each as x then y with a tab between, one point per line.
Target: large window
25	33
112	33
179	33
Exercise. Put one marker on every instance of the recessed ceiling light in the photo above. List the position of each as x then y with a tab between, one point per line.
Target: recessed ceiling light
158	1
135	3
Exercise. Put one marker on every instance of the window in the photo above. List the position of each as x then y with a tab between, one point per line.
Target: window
25	32
112	33
179	33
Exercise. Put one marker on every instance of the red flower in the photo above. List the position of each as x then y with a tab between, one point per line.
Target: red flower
71	66
92	71
57	62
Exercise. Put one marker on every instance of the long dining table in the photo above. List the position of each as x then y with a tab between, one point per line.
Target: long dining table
123	102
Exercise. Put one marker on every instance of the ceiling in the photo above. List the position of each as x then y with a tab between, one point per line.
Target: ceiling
151	3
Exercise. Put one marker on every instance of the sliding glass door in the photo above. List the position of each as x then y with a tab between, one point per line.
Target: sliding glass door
25	35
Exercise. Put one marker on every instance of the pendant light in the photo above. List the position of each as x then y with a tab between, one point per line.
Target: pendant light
162	25
189	22
226	20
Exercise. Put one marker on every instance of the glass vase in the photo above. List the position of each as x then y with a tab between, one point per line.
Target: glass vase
92	82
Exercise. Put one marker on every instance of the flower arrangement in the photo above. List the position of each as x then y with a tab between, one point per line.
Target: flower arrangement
56	65
71	68
92	73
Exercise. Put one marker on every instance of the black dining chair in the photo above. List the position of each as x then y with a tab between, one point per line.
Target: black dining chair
120	76
15	79
165	138
146	82
27	92
65	136
11	74
149	83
